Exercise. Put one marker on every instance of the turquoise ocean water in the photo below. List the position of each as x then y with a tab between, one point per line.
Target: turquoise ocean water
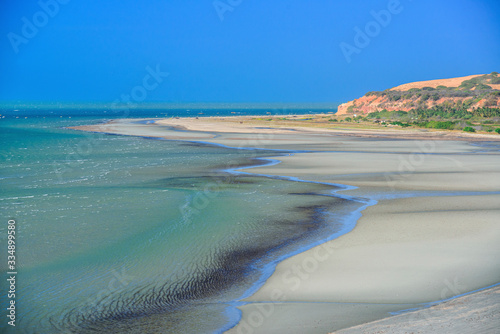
134	235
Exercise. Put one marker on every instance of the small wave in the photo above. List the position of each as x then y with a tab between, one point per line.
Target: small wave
17	197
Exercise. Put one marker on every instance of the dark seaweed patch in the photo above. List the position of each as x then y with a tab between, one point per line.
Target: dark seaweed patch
199	182
226	269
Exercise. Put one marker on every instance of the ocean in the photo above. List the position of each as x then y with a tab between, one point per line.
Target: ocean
136	235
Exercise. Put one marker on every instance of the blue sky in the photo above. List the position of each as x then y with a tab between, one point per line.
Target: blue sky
241	51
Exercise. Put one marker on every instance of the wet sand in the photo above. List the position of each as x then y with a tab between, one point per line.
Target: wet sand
475	313
434	233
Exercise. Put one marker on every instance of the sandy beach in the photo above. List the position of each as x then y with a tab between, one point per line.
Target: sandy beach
433	233
474	313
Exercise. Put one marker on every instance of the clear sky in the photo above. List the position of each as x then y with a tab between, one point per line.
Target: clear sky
238	50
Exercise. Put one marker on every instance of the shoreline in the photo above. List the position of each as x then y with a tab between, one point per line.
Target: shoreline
451	316
346	228
268	268
253	124
250	124
275	141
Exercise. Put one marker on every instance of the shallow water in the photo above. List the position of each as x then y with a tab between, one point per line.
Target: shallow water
129	234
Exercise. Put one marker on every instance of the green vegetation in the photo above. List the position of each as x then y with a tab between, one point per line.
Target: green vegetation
443	111
479	82
404	125
350	109
451	111
457	110
387	114
475	88
443	117
440	125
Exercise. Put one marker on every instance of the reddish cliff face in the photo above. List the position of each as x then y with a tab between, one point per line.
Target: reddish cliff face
469	92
